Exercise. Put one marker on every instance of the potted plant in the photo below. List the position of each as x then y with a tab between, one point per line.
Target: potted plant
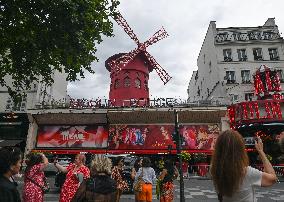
200	160
185	156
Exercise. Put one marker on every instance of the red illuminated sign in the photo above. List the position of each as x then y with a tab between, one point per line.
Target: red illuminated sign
94	136
149	137
246	112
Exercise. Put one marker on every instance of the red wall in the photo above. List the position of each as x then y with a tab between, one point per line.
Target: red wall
137	65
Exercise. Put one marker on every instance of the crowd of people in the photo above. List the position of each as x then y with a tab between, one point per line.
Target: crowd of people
103	180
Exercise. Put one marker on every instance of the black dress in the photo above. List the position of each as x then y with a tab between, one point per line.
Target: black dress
8	191
101	188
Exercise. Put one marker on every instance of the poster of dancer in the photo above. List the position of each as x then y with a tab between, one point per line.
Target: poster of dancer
199	136
140	136
159	137
83	136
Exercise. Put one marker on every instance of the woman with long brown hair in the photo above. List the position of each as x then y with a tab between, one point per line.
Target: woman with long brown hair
233	178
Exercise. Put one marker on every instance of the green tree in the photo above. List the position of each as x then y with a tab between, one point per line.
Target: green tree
40	36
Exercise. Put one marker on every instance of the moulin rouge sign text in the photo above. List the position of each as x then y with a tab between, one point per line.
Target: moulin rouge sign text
106	103
246	112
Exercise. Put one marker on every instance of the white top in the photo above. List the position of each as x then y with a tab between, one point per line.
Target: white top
148	175
247	192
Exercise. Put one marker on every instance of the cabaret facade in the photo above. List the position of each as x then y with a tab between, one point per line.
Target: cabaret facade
124	130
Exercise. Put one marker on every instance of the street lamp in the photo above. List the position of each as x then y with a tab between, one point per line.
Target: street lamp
177	139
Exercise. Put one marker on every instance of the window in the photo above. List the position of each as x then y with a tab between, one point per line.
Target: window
240	36
227	55
254	35
281	76
145	76
235	98
267	35
145	85
127	82
210	67
116	84
245	76
248	96
230	77
257	53
20	106
137	74
126	73
137	83
273	53
242	56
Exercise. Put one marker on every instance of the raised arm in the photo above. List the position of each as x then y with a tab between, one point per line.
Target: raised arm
60	167
133	173
45	162
163	174
268	176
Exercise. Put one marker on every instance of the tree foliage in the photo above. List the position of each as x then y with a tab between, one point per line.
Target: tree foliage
40	36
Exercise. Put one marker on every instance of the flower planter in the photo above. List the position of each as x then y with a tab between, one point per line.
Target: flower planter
202	169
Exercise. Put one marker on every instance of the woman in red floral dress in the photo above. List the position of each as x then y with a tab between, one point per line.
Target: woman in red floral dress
76	173
34	178
117	175
167	177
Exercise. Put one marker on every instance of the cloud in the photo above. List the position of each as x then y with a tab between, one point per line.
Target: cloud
186	21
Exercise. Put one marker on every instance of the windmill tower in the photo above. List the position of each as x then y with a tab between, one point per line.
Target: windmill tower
129	72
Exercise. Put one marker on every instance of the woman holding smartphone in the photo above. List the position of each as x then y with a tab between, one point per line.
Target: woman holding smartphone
232	176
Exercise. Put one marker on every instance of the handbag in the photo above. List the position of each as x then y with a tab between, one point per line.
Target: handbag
137	187
45	188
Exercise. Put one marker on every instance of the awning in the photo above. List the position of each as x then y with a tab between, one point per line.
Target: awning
156	117
70	118
7	143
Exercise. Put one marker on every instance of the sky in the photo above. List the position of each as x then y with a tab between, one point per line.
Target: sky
186	22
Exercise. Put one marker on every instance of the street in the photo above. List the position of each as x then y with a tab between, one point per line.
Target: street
196	190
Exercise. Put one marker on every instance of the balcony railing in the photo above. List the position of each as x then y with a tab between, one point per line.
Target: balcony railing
258	58
246	81
228	59
274	58
231	81
243	59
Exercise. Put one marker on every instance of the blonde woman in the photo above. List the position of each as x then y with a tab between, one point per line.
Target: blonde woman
100	186
233	178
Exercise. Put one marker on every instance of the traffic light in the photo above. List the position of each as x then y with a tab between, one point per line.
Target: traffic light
175	137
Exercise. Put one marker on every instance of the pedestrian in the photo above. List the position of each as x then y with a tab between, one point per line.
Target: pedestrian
100	187
10	164
232	176
167	176
34	178
137	165
117	175
76	173
149	178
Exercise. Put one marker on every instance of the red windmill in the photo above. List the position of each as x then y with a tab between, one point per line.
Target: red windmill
129	72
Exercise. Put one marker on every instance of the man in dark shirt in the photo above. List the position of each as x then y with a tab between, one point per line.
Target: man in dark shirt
10	164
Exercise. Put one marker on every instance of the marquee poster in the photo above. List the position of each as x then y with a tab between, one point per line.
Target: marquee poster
159	137
82	136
